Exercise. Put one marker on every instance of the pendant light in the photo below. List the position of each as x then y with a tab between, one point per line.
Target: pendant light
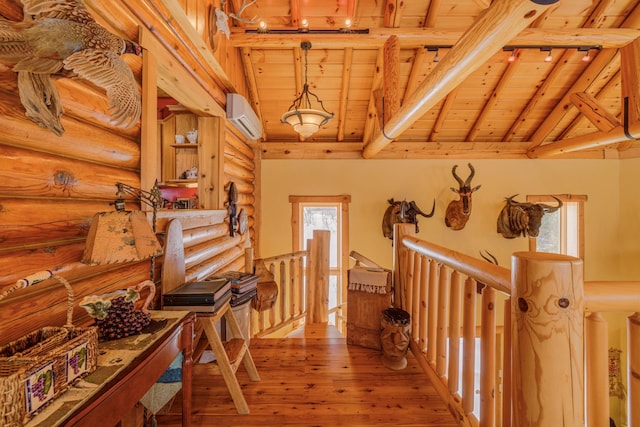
301	116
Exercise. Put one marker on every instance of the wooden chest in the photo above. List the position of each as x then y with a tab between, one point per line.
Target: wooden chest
369	292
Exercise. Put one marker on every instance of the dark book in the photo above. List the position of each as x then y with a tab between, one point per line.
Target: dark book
239	299
198	293
210	308
237	278
239	289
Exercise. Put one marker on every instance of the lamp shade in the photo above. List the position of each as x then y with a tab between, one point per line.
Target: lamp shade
306	121
120	236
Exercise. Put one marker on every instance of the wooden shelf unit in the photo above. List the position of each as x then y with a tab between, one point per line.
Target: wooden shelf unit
207	154
177	158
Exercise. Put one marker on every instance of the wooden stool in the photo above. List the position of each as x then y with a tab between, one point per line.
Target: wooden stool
229	353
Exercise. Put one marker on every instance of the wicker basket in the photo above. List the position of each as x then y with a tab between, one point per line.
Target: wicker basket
39	366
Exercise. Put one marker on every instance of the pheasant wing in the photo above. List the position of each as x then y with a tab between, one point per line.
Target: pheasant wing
109	71
70	10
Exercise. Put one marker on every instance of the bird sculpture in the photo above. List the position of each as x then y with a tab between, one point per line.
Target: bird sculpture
60	38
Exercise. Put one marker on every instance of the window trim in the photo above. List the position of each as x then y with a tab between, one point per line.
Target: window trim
580	199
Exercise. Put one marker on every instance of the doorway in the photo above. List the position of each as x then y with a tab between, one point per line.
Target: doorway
330	213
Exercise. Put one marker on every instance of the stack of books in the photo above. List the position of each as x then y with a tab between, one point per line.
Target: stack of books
243	286
206	296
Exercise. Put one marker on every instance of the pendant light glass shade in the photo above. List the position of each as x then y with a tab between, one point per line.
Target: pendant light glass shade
303	119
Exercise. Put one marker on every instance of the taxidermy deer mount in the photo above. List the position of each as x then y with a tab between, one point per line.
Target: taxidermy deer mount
222	18
458	211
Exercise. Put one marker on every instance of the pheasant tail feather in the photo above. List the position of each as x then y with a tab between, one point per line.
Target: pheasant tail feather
41	100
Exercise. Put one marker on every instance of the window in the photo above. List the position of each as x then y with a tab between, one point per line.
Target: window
331	213
561	231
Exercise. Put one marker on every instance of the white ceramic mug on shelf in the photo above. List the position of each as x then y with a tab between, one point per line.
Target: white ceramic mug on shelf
179	139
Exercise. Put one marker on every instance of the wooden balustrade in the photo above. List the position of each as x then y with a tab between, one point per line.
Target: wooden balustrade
532	353
289	274
298	274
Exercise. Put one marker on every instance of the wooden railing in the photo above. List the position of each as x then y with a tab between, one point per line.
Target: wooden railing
532	352
302	281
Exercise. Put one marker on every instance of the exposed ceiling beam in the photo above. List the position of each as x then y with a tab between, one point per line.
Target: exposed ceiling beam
419	37
557	70
502	21
344	92
607	91
630	130
371	121
442	114
410	150
391	77
595	68
393	13
595	112
252	84
585	142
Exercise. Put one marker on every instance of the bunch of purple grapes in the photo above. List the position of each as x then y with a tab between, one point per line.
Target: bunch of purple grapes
37	388
73	362
122	320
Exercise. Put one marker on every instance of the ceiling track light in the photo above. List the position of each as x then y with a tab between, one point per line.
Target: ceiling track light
310	31
435	49
581	48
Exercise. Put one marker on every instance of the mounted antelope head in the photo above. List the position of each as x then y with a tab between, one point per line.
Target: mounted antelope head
459	210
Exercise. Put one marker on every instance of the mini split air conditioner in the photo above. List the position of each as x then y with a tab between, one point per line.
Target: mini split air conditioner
240	113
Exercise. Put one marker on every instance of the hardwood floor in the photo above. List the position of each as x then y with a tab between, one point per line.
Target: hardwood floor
309	380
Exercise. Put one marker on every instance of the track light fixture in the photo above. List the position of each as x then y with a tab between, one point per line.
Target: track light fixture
581	48
435	49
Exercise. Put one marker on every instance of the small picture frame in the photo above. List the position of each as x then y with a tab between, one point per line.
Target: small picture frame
183	203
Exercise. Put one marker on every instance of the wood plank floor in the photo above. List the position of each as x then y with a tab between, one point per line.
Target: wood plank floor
310	380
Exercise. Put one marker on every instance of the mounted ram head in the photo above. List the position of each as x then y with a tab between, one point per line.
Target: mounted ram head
459	210
402	212
523	219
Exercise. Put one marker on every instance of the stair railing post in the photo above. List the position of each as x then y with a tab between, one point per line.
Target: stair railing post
547	317
318	292
400	263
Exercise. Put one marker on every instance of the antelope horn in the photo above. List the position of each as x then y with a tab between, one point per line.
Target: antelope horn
489	257
550	209
473	172
417	209
453	171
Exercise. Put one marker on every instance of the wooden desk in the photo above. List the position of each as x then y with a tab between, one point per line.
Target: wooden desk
127	368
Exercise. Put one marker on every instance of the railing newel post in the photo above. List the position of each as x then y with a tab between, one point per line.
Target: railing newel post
548	343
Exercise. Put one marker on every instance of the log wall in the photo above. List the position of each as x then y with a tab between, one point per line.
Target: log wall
50	186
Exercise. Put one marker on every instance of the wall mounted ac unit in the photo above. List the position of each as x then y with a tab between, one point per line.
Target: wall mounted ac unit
240	113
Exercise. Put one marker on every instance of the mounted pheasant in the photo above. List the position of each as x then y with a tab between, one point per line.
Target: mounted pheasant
459	210
61	37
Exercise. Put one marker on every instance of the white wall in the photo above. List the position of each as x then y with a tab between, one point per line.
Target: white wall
371	182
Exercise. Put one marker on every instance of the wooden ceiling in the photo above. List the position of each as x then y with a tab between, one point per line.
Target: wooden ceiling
472	103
